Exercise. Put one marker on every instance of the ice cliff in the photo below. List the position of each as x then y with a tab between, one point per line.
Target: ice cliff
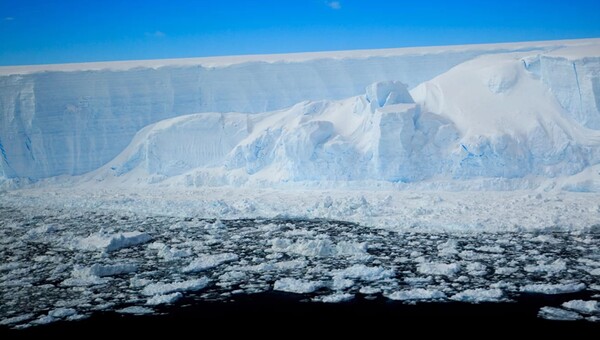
500	111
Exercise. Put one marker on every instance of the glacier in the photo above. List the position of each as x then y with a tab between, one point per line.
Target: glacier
513	113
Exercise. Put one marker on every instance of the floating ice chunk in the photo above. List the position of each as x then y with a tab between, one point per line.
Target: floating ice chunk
367	290
291	264
44	320
362	272
17	319
39	231
291	285
233	276
10	266
563	288
100	270
479	295
109	243
83	279
351	249
595	272
310	248
581	306
505	270
337	298
476	269
209	261
416	281
448	248
136	310
491	249
60	313
545	239
438	268
550	268
164	299
553	313
166	288
416	294
340	283
167	253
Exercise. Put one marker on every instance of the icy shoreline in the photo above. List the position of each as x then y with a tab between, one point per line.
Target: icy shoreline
422	211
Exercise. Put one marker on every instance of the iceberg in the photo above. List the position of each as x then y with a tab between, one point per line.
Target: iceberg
511	113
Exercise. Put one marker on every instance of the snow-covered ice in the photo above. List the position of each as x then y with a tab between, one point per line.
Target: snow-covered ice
479	295
477	118
549	288
553	313
164	298
209	261
417	294
438	268
586	307
299	286
166	288
114	242
136	310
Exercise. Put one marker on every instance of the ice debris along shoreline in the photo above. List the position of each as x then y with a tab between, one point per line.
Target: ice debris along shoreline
397	210
328	261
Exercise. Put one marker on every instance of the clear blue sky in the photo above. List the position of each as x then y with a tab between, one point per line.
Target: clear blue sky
57	31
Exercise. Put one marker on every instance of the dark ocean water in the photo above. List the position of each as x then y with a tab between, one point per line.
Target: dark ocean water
281	315
44	270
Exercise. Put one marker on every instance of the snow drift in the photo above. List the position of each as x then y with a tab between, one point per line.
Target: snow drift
502	111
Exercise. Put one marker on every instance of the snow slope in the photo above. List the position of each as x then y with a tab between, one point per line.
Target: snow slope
509	112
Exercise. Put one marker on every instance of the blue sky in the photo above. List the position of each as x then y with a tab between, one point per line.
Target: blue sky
43	31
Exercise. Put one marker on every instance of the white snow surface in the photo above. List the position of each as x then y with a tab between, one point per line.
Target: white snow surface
478	117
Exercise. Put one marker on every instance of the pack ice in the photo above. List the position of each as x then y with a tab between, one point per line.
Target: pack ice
525	115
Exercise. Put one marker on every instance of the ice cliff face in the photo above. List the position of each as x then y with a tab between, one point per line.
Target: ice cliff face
509	112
